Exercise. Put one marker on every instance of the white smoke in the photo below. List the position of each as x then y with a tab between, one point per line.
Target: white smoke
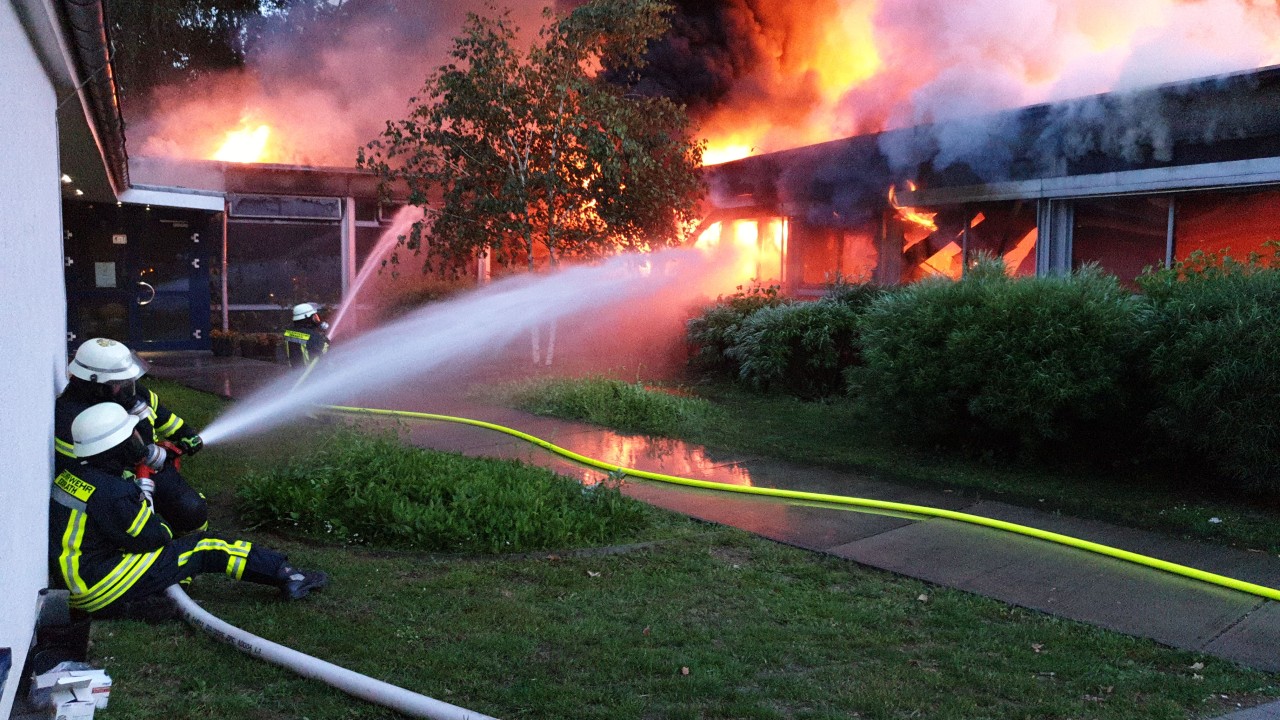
325	89
974	59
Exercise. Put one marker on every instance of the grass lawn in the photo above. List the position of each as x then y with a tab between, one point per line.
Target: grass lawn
682	620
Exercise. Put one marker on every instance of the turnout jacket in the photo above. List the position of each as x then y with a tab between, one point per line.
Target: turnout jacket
103	535
304	343
160	423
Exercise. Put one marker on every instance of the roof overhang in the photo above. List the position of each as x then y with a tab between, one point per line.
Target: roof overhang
75	57
1236	174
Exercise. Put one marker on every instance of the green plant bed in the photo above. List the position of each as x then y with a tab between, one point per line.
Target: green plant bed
362	488
629	407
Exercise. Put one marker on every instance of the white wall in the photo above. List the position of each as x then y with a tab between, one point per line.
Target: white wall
32	331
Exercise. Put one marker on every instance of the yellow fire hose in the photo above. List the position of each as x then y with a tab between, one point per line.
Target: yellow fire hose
1201	575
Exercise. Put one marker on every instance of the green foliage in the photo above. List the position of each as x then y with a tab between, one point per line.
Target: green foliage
522	153
803	347
710	335
629	407
856	295
175	41
360	488
1212	333
1002	364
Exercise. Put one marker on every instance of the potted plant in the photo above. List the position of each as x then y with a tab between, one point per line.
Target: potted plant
224	342
260	346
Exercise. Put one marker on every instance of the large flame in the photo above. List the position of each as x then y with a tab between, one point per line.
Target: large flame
827	69
246	144
753	248
772	74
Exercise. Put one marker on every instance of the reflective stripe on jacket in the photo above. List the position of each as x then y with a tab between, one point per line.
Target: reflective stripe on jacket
103	536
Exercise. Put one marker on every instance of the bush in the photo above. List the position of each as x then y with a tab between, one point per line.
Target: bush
1213	336
1001	364
803	348
629	407
711	334
855	295
362	488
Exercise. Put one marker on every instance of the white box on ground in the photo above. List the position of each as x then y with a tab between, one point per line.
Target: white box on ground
75	689
72	698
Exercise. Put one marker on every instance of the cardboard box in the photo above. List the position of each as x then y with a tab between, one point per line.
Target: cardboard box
74	690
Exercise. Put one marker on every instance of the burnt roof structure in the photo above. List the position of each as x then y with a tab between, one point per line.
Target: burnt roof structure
1209	132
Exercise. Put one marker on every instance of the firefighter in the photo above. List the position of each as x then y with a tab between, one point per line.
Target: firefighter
106	371
305	340
112	551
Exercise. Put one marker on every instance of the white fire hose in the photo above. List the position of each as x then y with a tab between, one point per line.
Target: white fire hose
348	681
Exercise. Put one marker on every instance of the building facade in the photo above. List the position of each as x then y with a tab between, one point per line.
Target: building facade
1126	181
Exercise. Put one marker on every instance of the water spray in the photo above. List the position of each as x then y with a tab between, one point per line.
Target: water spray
390	238
437	337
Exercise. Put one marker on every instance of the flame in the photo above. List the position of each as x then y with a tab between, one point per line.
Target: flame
1015	257
714	155
247	144
920	224
821	70
946	262
753	248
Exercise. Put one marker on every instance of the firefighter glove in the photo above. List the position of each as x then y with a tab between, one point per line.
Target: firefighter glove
190	444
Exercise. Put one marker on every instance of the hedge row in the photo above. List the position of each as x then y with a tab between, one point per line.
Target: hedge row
1187	370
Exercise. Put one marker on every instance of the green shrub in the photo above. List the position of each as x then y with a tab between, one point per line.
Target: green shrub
1213	336
711	334
1002	364
629	407
803	348
361	488
855	295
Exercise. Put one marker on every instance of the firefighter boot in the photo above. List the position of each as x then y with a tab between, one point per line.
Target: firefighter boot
296	584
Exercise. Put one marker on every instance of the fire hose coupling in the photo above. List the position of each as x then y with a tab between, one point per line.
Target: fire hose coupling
140	409
156	457
142	478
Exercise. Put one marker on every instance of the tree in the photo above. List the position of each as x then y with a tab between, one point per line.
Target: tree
175	42
532	155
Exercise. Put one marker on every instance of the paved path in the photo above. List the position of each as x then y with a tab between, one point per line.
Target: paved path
1059	580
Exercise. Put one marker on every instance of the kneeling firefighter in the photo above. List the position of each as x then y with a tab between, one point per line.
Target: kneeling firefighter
111	551
106	371
305	340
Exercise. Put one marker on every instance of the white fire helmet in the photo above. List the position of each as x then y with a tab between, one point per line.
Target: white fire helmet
100	428
102	361
302	311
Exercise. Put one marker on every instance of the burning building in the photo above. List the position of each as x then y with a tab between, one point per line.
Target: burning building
930	171
1126	180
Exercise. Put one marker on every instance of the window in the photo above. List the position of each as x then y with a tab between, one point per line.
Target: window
1237	222
1007	231
1124	235
273	263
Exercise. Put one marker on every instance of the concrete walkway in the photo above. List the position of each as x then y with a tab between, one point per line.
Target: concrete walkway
1062	581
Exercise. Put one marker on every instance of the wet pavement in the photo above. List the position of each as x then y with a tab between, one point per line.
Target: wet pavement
1063	581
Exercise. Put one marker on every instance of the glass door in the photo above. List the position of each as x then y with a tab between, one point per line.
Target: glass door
139	275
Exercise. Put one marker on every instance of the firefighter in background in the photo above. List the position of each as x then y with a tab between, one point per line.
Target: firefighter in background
110	549
305	340
106	371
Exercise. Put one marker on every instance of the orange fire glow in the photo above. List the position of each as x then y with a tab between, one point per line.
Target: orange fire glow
247	144
831	69
755	247
919	224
